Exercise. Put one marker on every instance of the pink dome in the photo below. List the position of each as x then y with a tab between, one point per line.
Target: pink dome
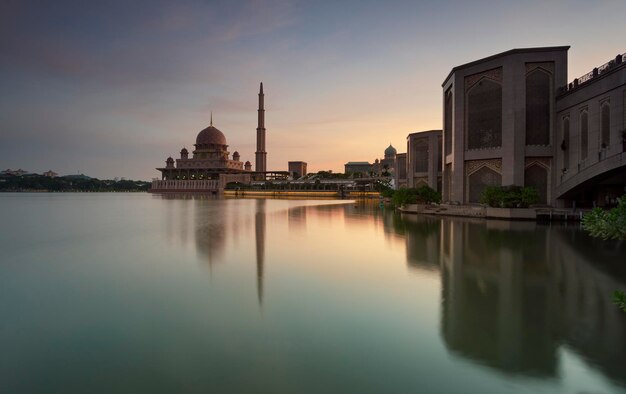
210	135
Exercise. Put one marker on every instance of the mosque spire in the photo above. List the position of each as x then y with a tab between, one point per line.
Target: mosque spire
261	154
211	118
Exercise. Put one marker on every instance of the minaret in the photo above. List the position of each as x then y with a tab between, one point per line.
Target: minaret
261	154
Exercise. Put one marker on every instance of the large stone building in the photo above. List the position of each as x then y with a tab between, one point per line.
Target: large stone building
512	119
499	123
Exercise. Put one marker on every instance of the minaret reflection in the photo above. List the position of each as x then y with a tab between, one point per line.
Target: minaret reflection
259	228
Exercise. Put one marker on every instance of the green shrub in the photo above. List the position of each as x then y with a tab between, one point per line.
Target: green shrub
528	196
421	195
607	224
492	196
509	196
619	299
404	196
427	195
387	193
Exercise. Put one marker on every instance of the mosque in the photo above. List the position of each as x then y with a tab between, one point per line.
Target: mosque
211	166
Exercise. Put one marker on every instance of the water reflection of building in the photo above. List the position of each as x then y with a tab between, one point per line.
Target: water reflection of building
211	229
499	305
513	293
296	219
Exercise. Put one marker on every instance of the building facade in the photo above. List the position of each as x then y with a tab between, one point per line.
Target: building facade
499	123
424	159
297	169
358	167
512	119
400	170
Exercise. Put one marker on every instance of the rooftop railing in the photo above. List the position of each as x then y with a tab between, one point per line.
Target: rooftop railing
596	72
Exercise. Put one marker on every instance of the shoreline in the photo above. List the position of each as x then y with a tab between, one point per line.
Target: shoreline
485	212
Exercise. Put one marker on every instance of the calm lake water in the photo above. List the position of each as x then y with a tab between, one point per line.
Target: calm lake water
116	293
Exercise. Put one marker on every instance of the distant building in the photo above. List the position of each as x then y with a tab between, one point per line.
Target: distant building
384	167
400	167
358	167
297	169
389	159
50	174
18	172
423	162
82	177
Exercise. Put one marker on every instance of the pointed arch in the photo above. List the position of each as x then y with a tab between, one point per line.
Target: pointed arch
484	114
538	103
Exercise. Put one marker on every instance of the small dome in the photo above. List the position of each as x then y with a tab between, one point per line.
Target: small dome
236	153
210	135
184	150
390	151
169	159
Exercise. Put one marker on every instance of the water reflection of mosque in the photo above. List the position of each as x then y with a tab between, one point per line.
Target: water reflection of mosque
213	227
514	292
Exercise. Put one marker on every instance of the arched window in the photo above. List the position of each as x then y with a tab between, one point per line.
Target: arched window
480	179
421	155
605	125
439	156
448	122
584	134
538	108
484	115
565	144
537	176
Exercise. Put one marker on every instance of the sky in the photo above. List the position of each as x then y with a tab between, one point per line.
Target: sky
112	88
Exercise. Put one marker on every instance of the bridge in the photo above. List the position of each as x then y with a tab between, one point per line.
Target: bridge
606	170
591	136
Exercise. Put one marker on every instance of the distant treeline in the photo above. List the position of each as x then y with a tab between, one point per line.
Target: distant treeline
68	184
